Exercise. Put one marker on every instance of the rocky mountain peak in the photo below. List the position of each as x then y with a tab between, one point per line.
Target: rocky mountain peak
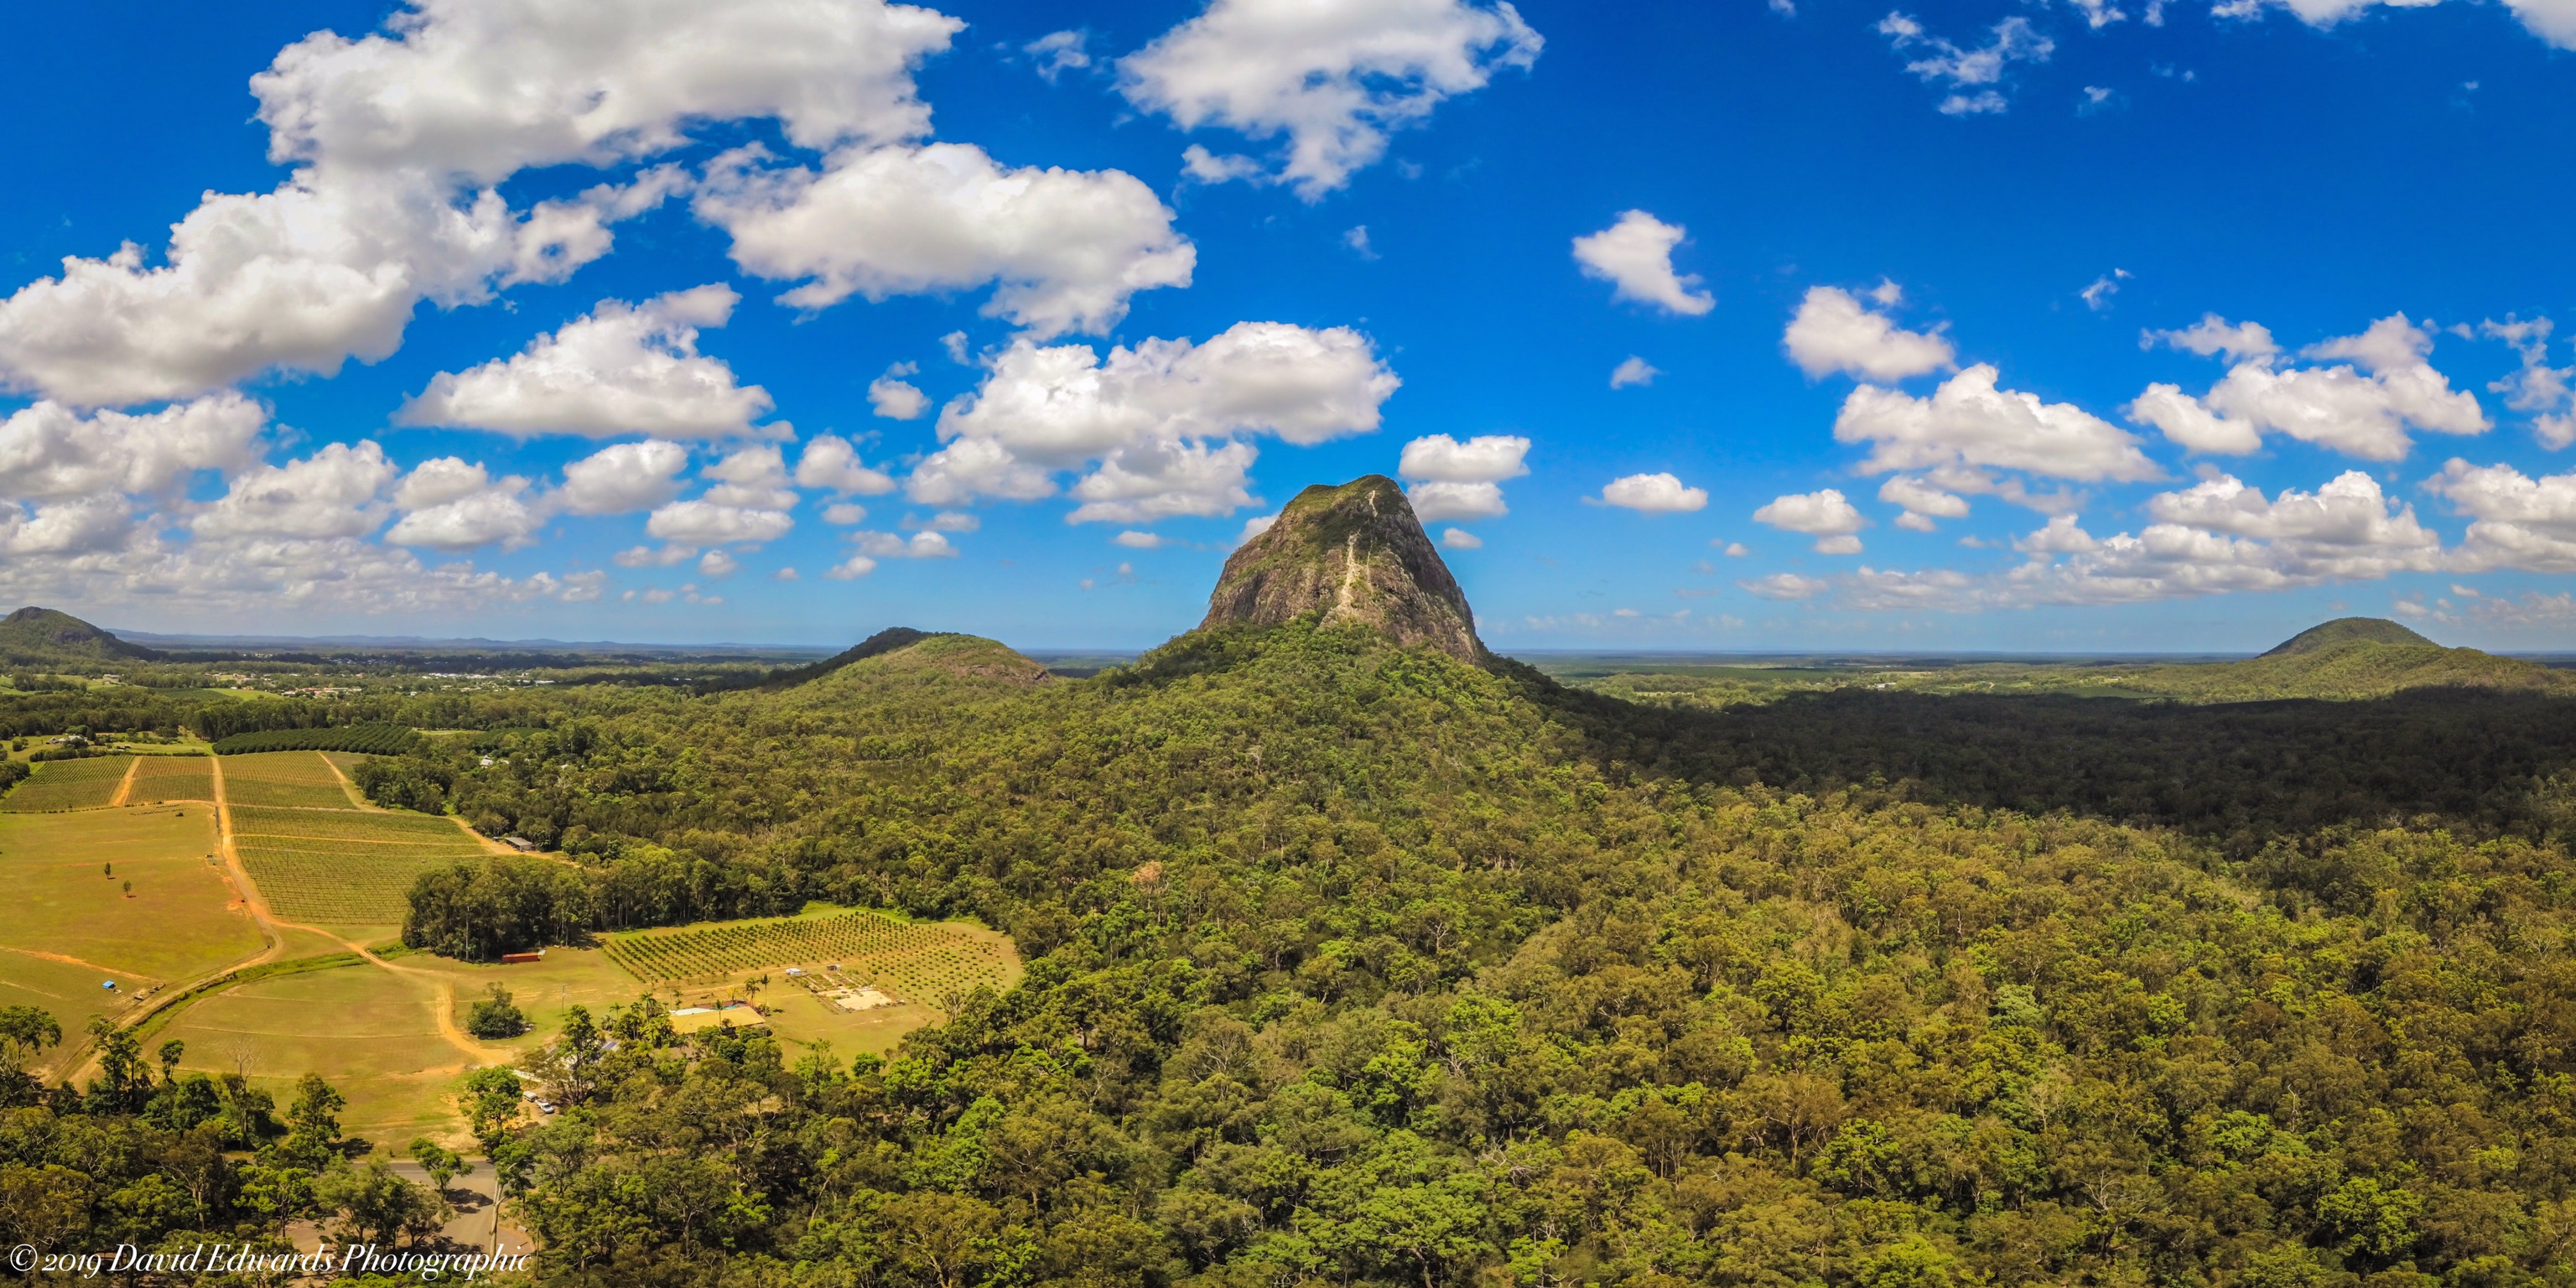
1357	555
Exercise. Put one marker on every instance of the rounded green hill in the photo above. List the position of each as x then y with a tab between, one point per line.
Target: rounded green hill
2348	630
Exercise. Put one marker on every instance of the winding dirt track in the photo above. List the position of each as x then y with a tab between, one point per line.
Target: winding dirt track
75	961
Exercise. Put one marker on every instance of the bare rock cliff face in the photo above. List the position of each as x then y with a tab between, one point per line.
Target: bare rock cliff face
1355	554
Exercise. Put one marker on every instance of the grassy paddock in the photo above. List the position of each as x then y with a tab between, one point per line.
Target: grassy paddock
70	993
181	921
366	1030
373	1035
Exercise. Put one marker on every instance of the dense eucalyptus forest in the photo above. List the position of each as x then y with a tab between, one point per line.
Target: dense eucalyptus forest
1354	961
1358	964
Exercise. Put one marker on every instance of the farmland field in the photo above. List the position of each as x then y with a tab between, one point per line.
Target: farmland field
343	867
69	784
919	963
372	1032
301	779
66	875
367	1030
173	778
371	826
70	992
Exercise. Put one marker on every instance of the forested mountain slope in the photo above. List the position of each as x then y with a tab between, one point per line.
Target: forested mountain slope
2349	630
34	636
1357	964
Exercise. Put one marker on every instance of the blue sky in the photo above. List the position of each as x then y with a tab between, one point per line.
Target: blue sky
371	390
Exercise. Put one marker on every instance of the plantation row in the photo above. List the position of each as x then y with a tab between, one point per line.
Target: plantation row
306	767
452	845
69	784
351	886
918	962
717	950
173	778
374	739
307	796
349	825
936	976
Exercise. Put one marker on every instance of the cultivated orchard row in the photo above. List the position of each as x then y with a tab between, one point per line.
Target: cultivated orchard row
343	866
918	962
89	783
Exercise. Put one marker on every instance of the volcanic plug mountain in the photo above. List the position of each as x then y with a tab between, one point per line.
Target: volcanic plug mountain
1355	554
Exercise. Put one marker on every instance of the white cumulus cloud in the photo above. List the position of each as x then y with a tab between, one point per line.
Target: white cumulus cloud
1064	249
2546	391
1658	493
622	369
1635	255
2361	408
397	141
1833	331
52	452
332	493
1160	424
894	398
623	478
1334	76
710	523
2220	536
829	462
1922	502
1970	422
1633	372
1826	515
2515	521
2552	20
1461	481
451	504
1784	586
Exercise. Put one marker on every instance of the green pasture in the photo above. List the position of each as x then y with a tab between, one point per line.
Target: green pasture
70	992
546	990
71	924
373	1034
801	1019
366	1030
180	919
